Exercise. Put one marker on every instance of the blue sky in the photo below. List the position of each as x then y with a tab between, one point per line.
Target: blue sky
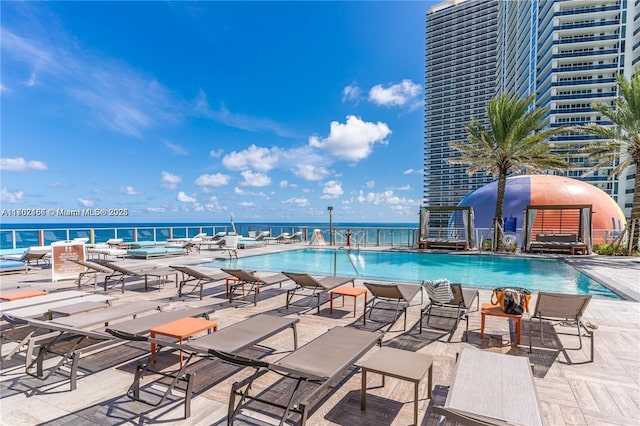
195	111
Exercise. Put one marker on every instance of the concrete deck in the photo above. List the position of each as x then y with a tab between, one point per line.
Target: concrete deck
571	391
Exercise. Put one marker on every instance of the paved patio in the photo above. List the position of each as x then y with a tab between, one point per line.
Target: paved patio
572	392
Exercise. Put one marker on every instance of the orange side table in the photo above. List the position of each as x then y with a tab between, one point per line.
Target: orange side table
347	291
22	294
183	329
235	279
495	311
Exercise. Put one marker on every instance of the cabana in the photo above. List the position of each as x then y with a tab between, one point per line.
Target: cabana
558	228
457	233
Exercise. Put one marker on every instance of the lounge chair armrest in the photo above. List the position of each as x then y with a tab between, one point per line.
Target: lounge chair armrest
13	320
126	336
238	359
468	419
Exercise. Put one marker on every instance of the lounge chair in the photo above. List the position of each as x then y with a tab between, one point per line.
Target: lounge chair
293	238
455	309
229	340
39	307
255	282
231	245
73	331
561	309
91	271
105	250
111	271
33	254
150	252
190	245
491	389
400	294
279	238
317	286
321	361
196	278
7	265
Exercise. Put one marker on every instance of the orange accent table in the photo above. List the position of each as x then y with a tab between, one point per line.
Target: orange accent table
183	329
347	291
22	294
582	249
236	279
496	311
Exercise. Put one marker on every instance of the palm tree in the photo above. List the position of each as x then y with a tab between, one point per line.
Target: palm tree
621	138
511	144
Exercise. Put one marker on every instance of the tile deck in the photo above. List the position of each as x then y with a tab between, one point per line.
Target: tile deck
606	391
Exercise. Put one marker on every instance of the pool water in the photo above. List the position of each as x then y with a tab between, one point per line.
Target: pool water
482	271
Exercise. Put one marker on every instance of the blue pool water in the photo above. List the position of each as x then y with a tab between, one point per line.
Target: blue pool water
483	271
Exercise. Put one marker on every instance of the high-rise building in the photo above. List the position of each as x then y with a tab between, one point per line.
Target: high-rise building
460	77
567	52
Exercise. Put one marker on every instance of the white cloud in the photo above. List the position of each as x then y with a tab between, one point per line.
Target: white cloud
412	171
370	184
213	180
213	205
184	198
170	181
386	198
59	185
20	164
175	148
310	172
7	196
128	190
353	140
215	153
247	204
283	184
254	179
256	158
405	93
300	202
351	93
402	188
240	191
85	202
156	209
237	120
332	189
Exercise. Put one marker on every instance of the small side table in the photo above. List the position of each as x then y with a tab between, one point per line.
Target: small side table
582	249
183	329
22	294
496	311
400	364
161	275
347	291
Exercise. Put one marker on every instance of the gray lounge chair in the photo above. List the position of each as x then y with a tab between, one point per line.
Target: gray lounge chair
73	331
311	363
196	278
457	308
317	286
400	294
561	309
90	273
491	389
229	340
255	282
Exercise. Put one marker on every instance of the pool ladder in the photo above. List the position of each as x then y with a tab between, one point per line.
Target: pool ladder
347	251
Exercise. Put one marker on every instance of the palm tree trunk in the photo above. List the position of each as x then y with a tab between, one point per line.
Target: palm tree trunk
502	185
635	211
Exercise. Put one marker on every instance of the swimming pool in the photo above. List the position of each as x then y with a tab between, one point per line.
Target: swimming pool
483	271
